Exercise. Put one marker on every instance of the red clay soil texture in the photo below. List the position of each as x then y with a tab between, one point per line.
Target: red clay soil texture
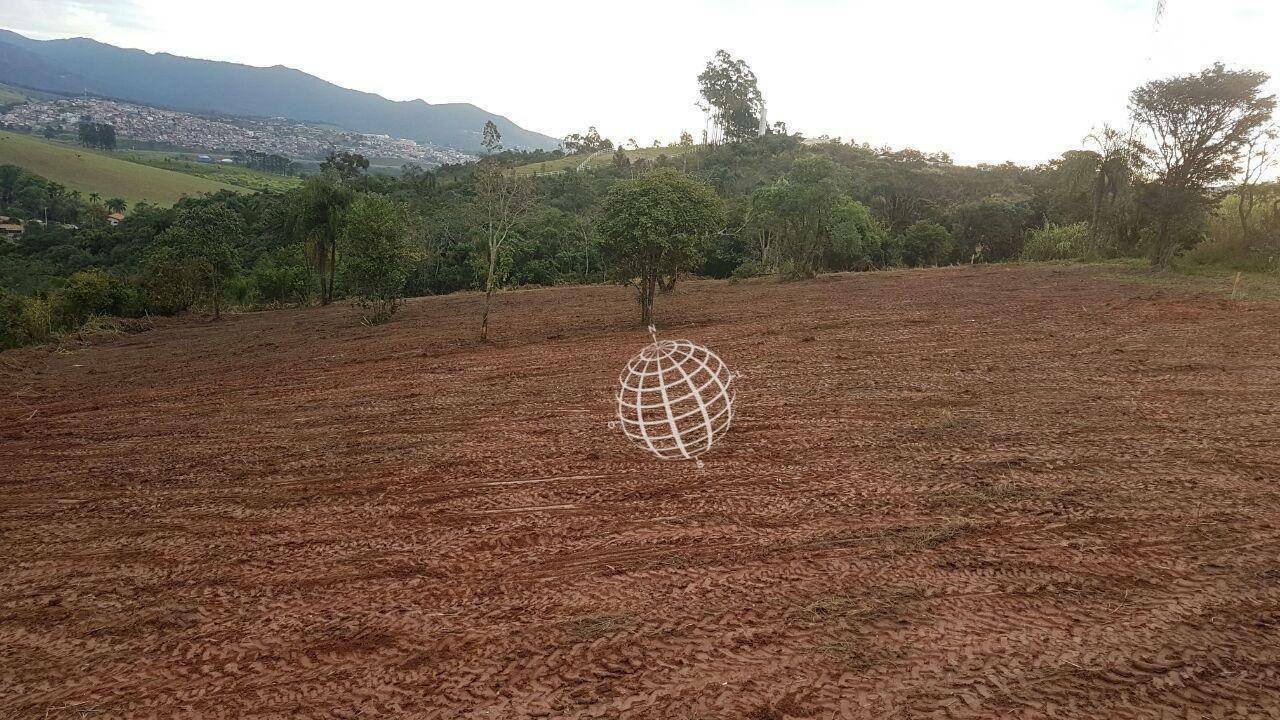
977	492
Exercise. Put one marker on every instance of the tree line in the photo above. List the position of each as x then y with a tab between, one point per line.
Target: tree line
753	200
96	134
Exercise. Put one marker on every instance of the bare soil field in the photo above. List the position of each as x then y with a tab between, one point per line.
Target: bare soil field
977	492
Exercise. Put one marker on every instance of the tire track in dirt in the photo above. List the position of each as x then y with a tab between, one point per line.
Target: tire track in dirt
971	492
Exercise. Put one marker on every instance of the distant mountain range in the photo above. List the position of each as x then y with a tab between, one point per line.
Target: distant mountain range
84	66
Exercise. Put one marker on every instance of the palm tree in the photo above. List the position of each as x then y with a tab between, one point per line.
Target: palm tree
94	198
116	205
313	220
1113	167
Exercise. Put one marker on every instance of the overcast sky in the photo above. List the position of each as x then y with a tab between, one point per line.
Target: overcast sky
1017	80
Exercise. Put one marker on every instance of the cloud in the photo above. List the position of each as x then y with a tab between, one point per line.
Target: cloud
44	19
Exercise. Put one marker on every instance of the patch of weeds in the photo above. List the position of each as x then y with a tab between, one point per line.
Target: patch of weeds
929	537
947	424
677	561
592	627
987	493
855	654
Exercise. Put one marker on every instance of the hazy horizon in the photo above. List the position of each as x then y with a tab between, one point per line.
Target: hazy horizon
1004	81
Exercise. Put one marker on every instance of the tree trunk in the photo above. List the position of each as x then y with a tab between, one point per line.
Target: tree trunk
1095	202
648	288
488	297
1244	212
1163	253
333	266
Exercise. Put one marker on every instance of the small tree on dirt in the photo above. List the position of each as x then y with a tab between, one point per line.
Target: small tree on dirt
501	201
655	226
378	252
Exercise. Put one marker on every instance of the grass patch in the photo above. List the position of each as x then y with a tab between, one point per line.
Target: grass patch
11	95
217	172
91	171
1190	277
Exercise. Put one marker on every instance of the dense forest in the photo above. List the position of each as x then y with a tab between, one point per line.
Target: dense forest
1182	184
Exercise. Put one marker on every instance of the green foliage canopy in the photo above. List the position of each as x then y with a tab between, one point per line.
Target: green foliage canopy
655	226
378	252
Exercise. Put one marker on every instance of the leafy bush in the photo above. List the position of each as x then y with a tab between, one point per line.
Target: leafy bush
37	319
858	240
1063	242
12	332
377	254
989	230
168	285
194	259
750	269
1233	253
92	292
926	243
279	279
22	320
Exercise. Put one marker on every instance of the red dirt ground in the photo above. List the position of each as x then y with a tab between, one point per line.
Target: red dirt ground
981	492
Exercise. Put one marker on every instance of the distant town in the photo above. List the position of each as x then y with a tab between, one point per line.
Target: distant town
142	125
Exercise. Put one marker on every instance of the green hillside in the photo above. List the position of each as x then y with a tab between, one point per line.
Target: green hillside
90	171
10	95
599	159
187	164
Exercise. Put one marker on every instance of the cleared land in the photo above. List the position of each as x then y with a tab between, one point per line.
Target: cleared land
91	171
980	492
598	160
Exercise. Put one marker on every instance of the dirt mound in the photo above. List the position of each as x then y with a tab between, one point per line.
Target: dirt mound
978	492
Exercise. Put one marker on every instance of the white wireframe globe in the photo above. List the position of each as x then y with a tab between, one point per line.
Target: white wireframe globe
675	399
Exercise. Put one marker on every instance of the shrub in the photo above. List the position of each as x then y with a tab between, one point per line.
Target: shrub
989	230
378	253
92	292
858	240
926	243
37	319
750	269
168	286
240	292
22	320
1231	252
275	282
194	259
12	332
1063	242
